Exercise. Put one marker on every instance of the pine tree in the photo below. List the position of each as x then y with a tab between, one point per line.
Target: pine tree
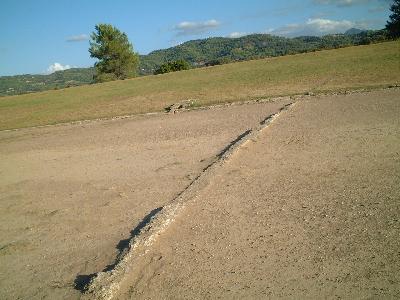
111	47
393	25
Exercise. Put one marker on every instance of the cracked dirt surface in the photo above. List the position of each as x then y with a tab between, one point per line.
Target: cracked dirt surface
71	194
308	209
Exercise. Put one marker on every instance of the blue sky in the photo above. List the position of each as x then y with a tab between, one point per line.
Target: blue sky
40	36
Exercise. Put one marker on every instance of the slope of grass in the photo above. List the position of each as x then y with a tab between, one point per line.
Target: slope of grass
353	67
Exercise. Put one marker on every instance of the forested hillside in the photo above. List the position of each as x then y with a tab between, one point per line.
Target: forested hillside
220	50
21	84
198	53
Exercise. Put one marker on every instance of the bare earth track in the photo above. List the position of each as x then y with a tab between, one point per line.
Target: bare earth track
305	206
71	194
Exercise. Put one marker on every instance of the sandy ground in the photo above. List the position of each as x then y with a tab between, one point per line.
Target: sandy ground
70	195
308	209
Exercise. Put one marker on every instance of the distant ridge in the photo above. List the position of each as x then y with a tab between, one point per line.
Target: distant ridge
199	53
28	83
353	31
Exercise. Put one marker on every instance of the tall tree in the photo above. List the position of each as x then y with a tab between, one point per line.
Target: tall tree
393	25
111	47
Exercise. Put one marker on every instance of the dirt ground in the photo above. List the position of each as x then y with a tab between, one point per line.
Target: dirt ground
308	208
70	195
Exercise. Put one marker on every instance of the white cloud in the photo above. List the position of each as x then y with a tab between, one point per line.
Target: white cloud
57	67
78	38
175	43
236	34
342	3
195	28
315	27
378	9
383	5
329	26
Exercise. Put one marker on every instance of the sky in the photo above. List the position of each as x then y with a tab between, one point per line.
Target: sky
43	36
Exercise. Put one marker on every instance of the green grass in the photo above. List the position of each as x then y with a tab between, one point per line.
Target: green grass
354	67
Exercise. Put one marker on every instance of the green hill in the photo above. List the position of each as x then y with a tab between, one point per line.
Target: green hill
198	53
368	66
21	84
220	50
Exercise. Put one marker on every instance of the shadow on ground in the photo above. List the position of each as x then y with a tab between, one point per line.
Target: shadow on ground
81	282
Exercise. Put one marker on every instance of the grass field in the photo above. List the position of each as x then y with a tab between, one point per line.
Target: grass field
354	67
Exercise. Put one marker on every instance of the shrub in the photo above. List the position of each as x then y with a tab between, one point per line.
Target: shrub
173	66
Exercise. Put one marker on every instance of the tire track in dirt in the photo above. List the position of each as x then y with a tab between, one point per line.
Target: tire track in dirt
106	284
